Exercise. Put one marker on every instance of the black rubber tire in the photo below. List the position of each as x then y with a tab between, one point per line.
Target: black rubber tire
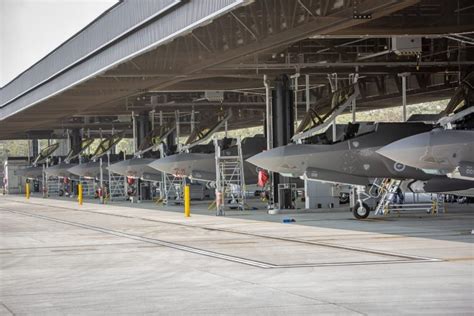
361	213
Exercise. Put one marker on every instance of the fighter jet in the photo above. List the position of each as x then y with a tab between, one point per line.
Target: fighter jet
61	170
92	169
36	170
200	162
354	159
442	152
138	167
89	170
32	172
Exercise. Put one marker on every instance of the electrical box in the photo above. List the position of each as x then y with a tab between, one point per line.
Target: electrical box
406	45
214	95
154	100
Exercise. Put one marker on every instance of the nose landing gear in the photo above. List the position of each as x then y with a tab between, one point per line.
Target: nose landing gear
361	210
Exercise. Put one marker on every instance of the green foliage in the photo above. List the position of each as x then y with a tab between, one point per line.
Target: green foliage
125	145
13	148
20	147
242	133
395	114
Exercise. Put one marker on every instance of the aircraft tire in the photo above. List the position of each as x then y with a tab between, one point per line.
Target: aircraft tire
361	212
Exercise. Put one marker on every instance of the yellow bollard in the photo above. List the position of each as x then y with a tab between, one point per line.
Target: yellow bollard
79	193
187	201
27	190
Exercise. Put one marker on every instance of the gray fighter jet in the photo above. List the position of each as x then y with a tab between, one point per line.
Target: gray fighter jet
443	152
354	159
61	170
138	167
36	170
89	170
92	169
32	172
200	163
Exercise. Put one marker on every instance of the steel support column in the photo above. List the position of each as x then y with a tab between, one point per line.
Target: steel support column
143	128
268	113
178	125
404	95
283	118
353	80
295	102
307	95
171	143
34	148
334	86
75	140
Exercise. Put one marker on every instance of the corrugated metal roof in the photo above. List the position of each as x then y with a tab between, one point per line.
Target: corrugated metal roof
84	56
116	22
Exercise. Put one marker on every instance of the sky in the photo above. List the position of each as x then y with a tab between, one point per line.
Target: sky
30	29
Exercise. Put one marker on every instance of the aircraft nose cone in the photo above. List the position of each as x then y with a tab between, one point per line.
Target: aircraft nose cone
117	167
60	170
78	171
410	151
90	169
74	169
270	160
163	164
175	164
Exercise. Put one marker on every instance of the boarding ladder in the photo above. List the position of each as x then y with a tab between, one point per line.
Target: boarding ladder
117	186
53	185
377	188
388	197
172	188
171	185
439	204
88	187
230	179
387	190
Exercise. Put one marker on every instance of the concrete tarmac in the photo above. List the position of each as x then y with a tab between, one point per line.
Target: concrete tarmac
60	258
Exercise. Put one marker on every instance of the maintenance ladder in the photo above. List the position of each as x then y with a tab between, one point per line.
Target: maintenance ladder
171	185
117	186
88	187
172	188
53	185
230	179
388	195
387	190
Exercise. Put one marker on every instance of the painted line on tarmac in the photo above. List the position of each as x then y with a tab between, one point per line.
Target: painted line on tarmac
383	253
250	262
151	240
